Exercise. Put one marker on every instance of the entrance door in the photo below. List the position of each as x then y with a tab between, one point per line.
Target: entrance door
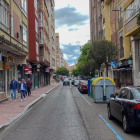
12	72
36	81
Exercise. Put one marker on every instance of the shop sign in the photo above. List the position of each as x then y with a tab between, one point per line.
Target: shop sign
29	72
130	62
21	60
29	66
47	70
6	67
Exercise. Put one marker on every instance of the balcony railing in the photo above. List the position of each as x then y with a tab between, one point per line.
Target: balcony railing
122	53
120	23
3	27
41	41
37	36
40	23
36	13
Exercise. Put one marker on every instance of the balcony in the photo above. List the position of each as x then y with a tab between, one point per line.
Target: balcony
41	41
40	23
36	13
120	23
37	36
122	53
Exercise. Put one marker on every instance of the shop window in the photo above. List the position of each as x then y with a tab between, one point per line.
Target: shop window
138	51
1	77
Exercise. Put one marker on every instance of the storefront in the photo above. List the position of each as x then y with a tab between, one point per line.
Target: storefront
123	73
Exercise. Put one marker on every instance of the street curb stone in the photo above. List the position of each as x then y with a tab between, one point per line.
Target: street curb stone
2	127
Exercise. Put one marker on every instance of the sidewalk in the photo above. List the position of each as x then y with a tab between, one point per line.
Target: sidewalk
10	109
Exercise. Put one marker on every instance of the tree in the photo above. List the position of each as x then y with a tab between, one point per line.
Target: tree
75	72
138	20
62	71
103	51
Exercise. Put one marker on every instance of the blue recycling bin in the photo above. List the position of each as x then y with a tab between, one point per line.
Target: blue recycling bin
88	87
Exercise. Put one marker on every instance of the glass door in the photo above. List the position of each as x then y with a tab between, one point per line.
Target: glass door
36	81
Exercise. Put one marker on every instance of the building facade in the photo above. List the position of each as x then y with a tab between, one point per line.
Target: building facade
119	24
39	52
50	5
13	43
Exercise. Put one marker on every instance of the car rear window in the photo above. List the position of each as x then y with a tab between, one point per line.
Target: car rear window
136	93
85	83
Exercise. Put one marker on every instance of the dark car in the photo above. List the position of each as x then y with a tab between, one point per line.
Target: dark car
72	81
125	106
66	82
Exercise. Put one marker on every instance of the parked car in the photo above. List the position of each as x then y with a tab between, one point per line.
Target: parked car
66	82
76	82
84	87
125	106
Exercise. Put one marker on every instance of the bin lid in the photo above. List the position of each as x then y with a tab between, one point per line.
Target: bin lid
101	78
92	80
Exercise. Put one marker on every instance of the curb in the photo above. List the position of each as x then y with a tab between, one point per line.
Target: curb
2	127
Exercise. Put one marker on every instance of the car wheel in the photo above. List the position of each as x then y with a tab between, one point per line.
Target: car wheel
110	117
126	127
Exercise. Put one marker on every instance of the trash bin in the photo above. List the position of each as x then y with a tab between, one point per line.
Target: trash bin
98	89
88	87
91	90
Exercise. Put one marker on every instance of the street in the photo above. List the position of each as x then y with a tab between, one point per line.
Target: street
65	114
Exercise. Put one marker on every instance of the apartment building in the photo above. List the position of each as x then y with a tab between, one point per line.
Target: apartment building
119	19
96	30
50	5
39	51
13	42
57	47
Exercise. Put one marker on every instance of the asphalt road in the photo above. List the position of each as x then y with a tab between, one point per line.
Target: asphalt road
65	114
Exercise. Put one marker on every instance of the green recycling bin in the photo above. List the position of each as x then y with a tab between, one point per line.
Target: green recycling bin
91	90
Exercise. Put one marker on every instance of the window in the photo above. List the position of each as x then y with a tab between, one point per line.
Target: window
37	48
57	42
4	16
57	37
1	77
36	26
121	40
24	34
136	92
125	94
12	30
132	10
57	63
35	4
57	52
138	56
21	34
24	6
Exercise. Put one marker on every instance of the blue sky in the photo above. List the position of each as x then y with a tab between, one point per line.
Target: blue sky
72	24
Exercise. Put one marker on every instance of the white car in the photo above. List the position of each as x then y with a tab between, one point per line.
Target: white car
76	82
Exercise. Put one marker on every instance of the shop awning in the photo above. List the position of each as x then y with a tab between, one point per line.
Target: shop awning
123	69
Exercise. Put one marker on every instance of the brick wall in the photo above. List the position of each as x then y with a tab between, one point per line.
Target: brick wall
16	24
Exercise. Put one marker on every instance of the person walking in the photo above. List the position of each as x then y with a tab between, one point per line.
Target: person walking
29	85
13	88
22	88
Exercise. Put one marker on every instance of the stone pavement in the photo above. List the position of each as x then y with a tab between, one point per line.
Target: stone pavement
9	109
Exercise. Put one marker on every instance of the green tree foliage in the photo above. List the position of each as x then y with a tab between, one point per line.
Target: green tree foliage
75	72
103	51
138	20
62	71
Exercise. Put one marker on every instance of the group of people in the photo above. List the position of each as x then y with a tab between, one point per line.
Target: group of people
23	87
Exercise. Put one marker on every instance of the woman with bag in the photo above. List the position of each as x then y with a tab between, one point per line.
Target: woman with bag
22	88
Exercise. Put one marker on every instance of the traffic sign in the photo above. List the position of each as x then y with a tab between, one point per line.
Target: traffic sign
112	64
26	69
